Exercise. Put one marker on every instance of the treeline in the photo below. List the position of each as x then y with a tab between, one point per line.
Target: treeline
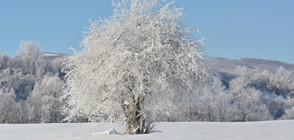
243	95
31	87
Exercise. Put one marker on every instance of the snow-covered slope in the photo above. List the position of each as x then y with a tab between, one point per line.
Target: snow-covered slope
47	56
269	130
228	65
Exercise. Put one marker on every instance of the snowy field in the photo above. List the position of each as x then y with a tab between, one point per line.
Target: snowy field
269	130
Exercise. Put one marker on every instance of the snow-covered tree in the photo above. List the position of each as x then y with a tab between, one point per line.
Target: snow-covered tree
249	106
134	66
212	103
30	54
247	102
44	100
4	61
9	109
289	113
216	102
281	84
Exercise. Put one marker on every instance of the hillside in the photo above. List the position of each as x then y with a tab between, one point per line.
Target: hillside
52	56
220	63
228	65
33	85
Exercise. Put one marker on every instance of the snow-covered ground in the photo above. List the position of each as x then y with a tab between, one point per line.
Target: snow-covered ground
269	130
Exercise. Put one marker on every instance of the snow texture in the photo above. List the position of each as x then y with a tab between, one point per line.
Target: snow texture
111	131
268	130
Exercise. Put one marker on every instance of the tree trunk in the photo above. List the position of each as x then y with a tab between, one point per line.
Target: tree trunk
137	117
135	123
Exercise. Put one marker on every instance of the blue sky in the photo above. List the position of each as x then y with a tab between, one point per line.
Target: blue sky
232	28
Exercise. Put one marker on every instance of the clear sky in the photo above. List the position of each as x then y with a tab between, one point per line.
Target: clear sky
232	28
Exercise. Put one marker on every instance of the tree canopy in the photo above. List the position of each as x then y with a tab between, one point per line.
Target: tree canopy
134	66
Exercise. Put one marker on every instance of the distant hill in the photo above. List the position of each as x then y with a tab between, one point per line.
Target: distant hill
228	65
51	56
223	65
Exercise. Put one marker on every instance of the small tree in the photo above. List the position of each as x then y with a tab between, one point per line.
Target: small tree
45	100
32	62
134	66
